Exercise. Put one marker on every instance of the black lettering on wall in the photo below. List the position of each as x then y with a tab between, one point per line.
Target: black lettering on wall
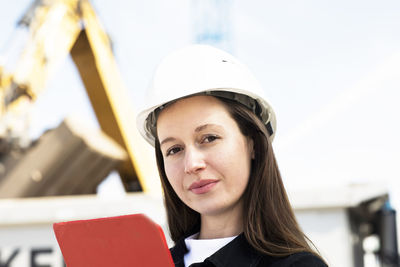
36	252
10	259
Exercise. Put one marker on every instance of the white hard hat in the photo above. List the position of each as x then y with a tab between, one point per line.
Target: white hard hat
203	70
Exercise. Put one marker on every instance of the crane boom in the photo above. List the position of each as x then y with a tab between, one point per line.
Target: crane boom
57	28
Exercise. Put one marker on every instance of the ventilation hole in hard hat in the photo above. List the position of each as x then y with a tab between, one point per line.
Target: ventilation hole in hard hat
224	60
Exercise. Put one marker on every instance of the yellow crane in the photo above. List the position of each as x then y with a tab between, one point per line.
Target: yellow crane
55	29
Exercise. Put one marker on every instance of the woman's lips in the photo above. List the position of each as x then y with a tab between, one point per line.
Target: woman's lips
202	186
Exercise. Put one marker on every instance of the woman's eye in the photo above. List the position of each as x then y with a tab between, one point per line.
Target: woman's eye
210	138
173	151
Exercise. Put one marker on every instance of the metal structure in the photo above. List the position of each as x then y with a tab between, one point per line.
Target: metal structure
68	160
56	28
349	216
212	23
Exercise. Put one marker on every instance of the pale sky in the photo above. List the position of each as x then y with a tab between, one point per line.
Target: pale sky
331	70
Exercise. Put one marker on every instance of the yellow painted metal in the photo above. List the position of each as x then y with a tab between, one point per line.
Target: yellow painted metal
53	29
111	102
52	32
5	81
58	27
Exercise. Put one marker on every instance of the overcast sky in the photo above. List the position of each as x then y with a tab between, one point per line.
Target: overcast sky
331	70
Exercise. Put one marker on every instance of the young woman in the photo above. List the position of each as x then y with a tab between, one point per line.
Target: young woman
212	132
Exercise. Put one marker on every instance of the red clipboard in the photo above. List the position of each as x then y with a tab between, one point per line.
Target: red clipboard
130	240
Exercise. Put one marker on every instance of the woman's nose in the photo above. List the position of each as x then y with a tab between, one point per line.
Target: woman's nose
194	160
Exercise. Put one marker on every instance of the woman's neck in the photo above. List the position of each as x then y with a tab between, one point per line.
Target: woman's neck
227	224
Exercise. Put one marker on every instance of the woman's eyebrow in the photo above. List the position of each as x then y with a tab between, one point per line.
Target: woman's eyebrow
198	129
168	139
205	126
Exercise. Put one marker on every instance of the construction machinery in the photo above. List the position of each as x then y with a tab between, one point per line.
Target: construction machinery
71	159
54	29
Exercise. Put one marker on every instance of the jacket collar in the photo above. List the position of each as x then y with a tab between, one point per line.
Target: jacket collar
238	252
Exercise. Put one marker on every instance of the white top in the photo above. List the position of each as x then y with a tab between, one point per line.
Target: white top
200	249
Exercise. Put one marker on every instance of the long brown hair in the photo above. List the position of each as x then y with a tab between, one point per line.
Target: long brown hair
269	223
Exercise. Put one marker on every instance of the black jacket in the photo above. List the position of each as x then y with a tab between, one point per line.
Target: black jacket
239	253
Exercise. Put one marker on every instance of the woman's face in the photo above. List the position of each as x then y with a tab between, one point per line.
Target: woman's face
206	157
